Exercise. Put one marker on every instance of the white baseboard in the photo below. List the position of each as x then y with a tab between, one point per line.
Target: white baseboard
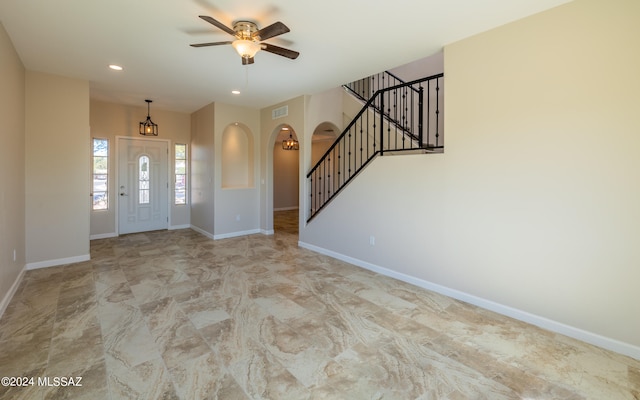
225	235
286	208
60	261
542	322
103	236
236	234
176	227
203	232
12	291
267	231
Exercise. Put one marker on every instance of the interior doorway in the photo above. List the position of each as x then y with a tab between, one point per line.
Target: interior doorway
143	185
286	181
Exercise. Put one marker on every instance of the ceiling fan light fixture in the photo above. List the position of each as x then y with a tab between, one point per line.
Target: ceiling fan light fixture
148	127
249	39
246	48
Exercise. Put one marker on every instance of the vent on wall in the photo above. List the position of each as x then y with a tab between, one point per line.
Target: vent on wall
279	112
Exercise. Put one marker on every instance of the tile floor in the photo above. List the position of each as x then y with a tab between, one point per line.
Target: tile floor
175	315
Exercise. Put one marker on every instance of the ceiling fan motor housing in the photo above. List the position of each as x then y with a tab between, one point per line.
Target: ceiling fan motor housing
245	29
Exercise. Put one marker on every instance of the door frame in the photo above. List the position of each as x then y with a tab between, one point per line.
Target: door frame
119	140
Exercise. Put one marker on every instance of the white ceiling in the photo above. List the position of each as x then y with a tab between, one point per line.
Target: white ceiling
339	41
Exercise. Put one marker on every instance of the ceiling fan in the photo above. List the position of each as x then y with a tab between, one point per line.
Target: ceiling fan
249	39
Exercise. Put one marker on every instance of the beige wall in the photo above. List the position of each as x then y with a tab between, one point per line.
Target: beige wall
545	143
236	209
533	209
110	120
57	169
12	169
202	170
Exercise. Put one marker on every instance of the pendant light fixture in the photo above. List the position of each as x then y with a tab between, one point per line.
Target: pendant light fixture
291	143
148	127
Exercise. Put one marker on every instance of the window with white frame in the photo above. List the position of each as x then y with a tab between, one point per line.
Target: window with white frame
180	187
100	175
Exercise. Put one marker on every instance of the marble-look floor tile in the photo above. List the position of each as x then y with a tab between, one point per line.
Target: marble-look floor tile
203	377
175	315
147	380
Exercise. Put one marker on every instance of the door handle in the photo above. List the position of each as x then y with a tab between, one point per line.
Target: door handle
123	194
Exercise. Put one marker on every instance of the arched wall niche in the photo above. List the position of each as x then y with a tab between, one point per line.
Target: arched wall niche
237	164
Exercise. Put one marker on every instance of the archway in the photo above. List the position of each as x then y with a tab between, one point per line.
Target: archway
286	181
323	137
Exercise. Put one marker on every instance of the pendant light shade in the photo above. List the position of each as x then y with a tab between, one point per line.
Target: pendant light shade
148	127
290	144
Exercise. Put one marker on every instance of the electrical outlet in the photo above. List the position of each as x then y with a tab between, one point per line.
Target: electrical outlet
14	255
238	217
372	240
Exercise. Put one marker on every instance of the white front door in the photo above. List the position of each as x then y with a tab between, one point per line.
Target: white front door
143	188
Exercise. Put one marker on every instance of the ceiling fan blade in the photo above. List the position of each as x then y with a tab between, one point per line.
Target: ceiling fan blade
218	24
247	61
281	51
209	44
275	29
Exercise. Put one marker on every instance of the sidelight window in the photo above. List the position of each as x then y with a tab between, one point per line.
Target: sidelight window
100	175
180	188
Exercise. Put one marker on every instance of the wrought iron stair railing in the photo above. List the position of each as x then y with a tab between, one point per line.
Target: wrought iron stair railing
366	88
397	118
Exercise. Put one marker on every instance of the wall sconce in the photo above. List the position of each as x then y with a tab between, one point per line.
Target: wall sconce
148	128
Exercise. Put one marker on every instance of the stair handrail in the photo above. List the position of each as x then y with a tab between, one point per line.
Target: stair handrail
365	107
351	86
415	142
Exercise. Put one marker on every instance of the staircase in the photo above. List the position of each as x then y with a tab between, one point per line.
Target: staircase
397	117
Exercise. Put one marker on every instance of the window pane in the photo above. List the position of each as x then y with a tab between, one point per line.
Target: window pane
100	173
143	180
181	197
181	151
100	165
100	200
100	147
180	171
181	167
144	197
181	182
100	183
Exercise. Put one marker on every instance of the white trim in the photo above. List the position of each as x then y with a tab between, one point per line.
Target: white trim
542	322
12	291
103	236
286	208
168	142
267	231
202	231
236	234
176	227
59	261
226	235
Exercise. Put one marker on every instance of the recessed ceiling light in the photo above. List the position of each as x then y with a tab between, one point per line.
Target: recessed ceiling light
235	91
115	67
